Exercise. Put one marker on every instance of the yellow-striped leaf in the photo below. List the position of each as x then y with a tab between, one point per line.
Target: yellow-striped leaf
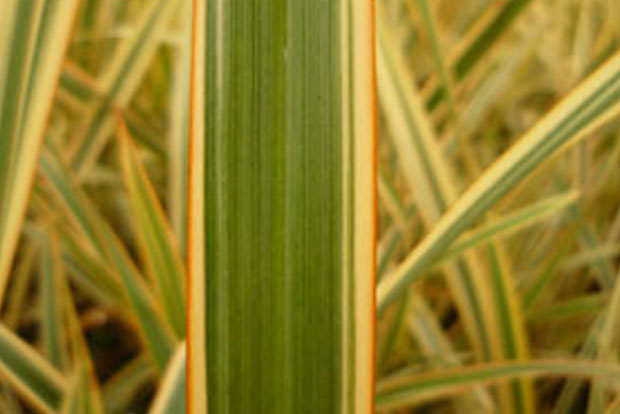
120	389
588	106
53	334
120	80
282	211
33	37
485	299
410	389
170	398
30	374
155	330
158	247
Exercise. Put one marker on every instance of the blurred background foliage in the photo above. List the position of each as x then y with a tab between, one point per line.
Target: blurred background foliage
479	75
98	280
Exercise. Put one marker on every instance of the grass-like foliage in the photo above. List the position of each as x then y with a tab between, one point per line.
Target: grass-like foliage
243	143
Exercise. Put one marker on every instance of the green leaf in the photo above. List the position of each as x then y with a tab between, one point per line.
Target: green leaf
33	39
22	278
91	272
513	222
429	178
282	213
436	345
587	305
53	332
119	82
179	132
170	398
30	374
157	244
411	389
83	396
587	107
120	389
102	240
477	46
430	24
485	298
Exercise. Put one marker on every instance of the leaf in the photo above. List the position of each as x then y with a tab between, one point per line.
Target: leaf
170	398
407	390
436	344
53	334
120	389
101	239
429	179
478	45
179	132
30	374
83	396
119	82
485	299
430	25
515	221
91	272
589	105
33	40
588	305
22	278
282	211
157	243
79	89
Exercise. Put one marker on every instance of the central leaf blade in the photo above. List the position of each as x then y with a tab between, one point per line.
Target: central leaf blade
282	221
